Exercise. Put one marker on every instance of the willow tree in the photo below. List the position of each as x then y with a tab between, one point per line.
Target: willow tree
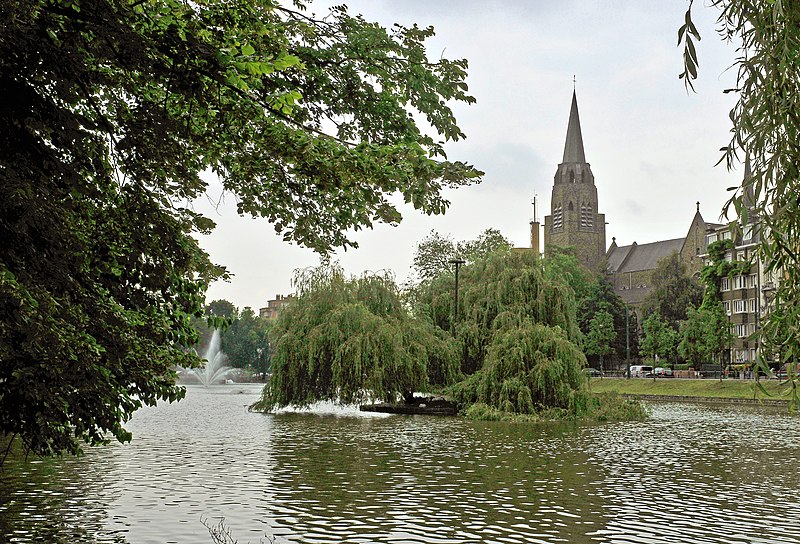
349	340
765	127
113	110
517	332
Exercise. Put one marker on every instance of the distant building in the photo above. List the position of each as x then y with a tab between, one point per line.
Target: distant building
275	306
631	267
747	297
574	221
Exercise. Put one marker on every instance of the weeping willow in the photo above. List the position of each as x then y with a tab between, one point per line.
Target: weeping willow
350	340
518	334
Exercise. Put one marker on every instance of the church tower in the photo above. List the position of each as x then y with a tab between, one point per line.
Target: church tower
573	221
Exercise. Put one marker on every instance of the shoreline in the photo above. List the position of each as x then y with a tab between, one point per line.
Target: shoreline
698	390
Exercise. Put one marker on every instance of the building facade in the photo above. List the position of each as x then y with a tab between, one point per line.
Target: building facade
574	221
747	296
630	268
274	306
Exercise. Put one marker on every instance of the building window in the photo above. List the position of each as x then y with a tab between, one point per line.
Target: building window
558	217
740	282
739	306
751	305
727	305
751	281
740	255
747	233
711	238
586	216
726	235
726	284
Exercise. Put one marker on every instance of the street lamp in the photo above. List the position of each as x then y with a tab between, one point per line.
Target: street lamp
627	344
457	263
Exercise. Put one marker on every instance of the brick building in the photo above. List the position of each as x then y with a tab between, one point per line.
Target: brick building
274	306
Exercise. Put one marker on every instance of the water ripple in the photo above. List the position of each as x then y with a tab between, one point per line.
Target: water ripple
692	474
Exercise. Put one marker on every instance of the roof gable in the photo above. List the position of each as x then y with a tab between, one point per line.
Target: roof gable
635	257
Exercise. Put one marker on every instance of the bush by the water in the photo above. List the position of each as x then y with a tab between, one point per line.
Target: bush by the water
515	352
602	407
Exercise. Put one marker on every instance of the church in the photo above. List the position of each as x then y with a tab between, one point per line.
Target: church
575	222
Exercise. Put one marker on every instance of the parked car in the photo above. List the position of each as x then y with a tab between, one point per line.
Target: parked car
641	371
660	372
592	372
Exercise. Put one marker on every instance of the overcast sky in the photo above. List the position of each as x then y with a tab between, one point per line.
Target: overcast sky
652	147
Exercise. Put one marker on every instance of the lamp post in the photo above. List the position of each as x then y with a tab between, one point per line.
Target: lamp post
457	263
627	344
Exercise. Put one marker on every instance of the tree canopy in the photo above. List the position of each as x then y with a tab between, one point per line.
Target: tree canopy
517	332
435	253
351	339
112	110
601	335
659	339
765	128
673	290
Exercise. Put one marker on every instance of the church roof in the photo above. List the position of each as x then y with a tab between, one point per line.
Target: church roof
573	147
637	257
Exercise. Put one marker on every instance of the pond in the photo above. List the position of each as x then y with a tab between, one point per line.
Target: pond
691	474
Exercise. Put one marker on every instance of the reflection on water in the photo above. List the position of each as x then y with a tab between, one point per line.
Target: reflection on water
693	474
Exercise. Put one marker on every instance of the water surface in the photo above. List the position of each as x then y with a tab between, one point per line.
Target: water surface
691	474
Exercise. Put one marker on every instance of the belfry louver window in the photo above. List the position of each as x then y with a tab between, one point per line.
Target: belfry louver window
558	217
586	216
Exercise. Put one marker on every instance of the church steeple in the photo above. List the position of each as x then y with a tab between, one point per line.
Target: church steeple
574	221
573	147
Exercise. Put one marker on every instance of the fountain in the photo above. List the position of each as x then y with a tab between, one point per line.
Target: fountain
214	370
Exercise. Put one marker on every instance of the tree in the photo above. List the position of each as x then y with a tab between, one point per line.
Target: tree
673	290
600	339
112	110
487	243
563	264
222	308
600	296
433	255
713	319
435	252
246	342
717	328
659	339
517	334
351	339
765	127
692	346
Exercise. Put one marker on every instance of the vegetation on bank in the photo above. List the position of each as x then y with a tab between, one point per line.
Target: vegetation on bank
115	113
514	353
601	407
730	389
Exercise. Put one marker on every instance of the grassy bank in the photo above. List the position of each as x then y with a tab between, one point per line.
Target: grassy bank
725	389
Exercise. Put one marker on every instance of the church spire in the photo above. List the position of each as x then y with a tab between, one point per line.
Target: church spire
573	148
749	198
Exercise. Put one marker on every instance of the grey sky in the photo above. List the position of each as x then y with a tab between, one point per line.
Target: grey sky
651	145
